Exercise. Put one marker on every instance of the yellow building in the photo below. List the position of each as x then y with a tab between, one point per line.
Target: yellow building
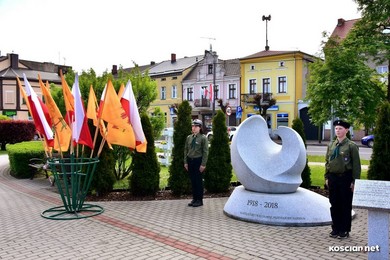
168	76
280	75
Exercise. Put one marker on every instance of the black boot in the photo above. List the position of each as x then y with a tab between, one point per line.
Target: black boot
197	203
191	203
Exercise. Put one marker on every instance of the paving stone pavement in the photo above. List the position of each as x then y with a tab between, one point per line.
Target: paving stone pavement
152	230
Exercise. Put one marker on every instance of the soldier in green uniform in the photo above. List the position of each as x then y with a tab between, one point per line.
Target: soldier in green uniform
196	151
342	168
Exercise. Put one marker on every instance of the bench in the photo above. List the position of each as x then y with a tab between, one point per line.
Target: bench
38	165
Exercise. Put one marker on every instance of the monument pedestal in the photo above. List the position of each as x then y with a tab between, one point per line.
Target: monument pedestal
300	208
374	196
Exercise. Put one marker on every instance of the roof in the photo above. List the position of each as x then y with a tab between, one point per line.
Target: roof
232	67
264	53
343	27
178	66
30	74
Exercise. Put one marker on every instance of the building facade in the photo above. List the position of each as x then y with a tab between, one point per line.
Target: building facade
280	75
12	103
169	76
212	81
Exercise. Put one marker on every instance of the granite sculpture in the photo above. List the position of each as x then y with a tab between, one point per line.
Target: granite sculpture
270	174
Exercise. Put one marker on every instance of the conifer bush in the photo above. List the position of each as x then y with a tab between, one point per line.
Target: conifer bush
380	158
179	180
145	177
297	125
219	168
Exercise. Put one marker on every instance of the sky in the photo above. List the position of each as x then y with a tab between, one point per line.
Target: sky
98	34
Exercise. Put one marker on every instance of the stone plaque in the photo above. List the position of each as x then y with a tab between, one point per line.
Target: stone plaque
370	194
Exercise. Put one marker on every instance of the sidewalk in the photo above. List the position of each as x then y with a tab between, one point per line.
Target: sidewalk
152	230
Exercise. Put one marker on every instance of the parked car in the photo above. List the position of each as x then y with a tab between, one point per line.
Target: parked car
231	130
368	140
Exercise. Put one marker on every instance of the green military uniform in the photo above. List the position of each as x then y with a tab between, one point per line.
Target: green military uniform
342	169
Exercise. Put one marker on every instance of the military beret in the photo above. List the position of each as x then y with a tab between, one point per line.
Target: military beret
341	123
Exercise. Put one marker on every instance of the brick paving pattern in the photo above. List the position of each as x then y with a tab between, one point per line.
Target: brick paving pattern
167	229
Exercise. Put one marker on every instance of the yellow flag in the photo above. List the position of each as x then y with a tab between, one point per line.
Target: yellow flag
61	130
121	90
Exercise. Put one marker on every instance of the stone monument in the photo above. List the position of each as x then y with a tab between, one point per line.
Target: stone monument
270	175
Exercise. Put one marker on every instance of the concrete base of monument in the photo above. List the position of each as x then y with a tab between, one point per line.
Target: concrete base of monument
300	208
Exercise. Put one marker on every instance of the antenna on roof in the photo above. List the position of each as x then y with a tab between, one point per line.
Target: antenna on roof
209	38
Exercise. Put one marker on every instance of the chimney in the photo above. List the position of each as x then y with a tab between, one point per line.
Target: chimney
114	70
173	57
14	60
340	22
152	63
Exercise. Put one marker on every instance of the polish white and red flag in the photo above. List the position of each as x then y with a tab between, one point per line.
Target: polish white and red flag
39	113
209	92
80	133
129	104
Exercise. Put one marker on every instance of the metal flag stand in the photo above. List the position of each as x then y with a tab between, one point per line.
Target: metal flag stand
73	177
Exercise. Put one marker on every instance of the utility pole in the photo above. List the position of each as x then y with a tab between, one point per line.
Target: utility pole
214	71
266	19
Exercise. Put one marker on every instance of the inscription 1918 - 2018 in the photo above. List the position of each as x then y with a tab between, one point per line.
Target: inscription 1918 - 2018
265	204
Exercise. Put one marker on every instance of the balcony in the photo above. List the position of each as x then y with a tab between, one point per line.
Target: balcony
202	102
250	99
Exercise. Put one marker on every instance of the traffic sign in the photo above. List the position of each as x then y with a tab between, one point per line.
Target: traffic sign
228	110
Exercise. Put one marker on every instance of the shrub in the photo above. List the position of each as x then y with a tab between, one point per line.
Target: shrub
179	180
219	168
145	177
19	157
380	159
297	125
15	131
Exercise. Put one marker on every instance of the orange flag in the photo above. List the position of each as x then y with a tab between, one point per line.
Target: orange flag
92	114
68	98
120	131
62	131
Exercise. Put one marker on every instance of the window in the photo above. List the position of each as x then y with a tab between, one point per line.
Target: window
163	79
281	64
232	91
282	84
203	91
190	94
253	67
210	69
266	85
383	70
174	91
174	78
163	93
252	86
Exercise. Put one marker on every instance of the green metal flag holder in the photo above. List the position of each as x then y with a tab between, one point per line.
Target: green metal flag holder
73	177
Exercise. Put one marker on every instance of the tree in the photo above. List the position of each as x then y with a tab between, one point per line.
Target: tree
158	122
145	175
178	180
218	172
297	125
263	102
342	86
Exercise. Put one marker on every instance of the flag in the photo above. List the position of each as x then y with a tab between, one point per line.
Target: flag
62	131
121	90
81	134
211	93
68	99
120	131
129	104
40	114
92	114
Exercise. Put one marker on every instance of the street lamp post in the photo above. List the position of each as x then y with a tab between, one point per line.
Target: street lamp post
214	71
